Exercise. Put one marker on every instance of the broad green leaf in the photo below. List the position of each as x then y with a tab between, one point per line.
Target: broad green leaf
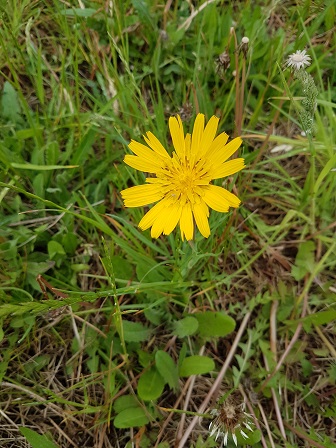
304	261
196	365
10	105
39	184
131	417
214	324
37	440
122	267
150	385
253	437
70	242
55	248
125	402
135	331
185	327
167	369
52	152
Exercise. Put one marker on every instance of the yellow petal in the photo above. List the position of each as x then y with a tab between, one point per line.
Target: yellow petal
141	164
232	199
219	198
187	149
158	225
215	199
220	154
197	135
227	168
216	145
172	218
208	135
177	134
150	217
141	195
145	153
201	213
156	145
187	223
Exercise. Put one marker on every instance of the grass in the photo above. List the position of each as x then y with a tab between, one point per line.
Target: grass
108	337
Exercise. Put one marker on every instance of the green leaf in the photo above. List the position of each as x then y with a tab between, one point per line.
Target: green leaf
10	105
37	440
196	365
122	267
131	417
150	385
304	261
144	13
79	12
70	242
253	437
125	402
52	152
135	331
185	327
167	369
31	166
55	248
319	318
214	324
39	184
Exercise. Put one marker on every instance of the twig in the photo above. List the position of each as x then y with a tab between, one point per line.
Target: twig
326	341
288	348
304	436
187	399
266	425
276	406
217	382
176	404
186	24
273	332
238	111
251	411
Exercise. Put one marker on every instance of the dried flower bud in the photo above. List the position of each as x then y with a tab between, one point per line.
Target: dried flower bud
186	111
243	48
222	63
230	419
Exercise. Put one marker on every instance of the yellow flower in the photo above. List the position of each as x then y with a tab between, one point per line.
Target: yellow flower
182	182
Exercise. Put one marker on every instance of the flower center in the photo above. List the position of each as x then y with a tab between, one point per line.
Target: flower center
183	186
297	57
183	181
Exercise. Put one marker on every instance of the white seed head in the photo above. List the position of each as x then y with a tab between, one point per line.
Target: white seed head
229	419
245	40
298	60
235	439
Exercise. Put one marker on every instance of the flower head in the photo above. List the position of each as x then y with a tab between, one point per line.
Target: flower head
298	59
230	419
182	181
